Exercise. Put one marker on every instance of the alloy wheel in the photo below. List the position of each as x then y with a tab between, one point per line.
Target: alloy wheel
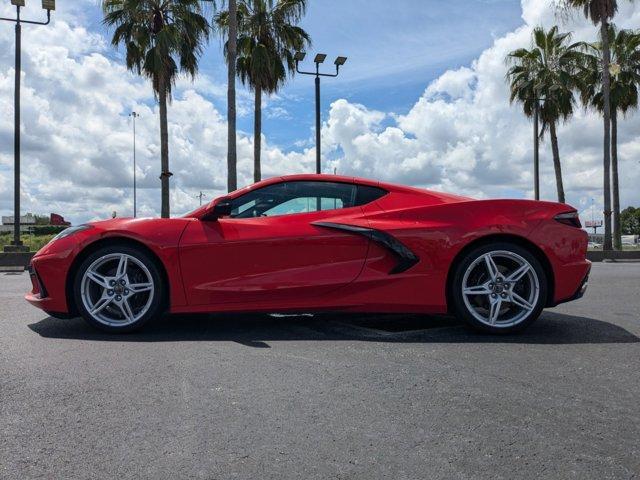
500	289
117	289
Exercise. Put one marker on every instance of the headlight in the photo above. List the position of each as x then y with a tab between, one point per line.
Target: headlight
70	231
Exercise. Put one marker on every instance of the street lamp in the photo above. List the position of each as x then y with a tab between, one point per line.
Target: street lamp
48	5
319	58
134	115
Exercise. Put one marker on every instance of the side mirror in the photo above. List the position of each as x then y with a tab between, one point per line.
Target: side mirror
221	209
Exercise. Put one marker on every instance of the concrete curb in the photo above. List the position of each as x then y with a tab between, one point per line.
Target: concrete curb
11	269
613	255
15	259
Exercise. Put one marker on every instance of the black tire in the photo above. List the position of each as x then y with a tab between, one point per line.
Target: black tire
155	305
476	255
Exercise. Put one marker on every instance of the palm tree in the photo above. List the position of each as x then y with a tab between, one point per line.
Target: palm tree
232	52
162	38
232	150
600	12
546	73
625	77
268	38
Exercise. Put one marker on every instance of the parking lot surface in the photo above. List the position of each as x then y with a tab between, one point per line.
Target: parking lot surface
326	396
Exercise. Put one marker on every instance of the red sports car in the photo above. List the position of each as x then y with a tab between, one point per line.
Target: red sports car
321	242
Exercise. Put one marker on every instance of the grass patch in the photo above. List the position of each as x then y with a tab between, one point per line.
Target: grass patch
34	242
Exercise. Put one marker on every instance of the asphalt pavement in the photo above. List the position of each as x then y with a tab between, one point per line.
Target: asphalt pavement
325	397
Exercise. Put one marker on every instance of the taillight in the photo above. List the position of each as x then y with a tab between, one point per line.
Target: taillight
569	218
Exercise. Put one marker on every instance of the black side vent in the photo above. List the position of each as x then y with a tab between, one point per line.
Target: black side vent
406	258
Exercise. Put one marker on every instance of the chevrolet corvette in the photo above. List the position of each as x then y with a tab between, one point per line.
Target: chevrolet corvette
308	243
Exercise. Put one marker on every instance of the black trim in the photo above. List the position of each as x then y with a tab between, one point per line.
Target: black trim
32	273
406	257
583	288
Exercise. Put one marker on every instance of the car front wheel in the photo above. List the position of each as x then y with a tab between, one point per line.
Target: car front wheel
119	289
499	288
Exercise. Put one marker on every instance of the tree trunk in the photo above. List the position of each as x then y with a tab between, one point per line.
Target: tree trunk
556	161
606	90
257	135
164	149
536	151
232	156
617	234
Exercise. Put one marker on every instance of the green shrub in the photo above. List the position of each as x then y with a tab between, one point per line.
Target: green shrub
47	229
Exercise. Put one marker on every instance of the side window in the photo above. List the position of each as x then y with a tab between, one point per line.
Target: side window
294	197
367	194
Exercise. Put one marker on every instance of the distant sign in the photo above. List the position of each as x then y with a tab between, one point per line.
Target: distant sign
593	223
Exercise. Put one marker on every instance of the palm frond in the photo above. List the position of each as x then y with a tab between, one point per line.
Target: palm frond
268	37
625	53
161	38
547	72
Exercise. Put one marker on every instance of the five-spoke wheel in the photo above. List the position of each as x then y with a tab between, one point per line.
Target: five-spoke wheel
118	288
499	287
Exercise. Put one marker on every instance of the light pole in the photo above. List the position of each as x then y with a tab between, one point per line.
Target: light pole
320	58
134	115
48	5
201	196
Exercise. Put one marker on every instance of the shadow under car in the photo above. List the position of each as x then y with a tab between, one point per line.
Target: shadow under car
256	329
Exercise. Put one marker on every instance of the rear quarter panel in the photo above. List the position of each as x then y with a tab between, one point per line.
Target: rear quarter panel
437	233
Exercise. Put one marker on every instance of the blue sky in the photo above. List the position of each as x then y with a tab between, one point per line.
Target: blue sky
394	48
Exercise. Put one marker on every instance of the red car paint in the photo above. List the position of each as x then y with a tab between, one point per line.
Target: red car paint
311	261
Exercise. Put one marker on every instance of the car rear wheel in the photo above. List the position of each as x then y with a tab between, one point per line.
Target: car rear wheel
499	288
119	289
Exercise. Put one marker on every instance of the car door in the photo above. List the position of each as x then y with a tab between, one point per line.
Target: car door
270	251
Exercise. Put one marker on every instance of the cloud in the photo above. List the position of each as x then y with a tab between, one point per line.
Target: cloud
278	112
453	85
77	133
461	135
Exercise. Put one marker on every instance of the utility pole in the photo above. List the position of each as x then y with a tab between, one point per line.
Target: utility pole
48	5
200	196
